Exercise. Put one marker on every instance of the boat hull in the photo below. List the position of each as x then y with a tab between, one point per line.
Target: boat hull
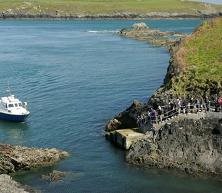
13	118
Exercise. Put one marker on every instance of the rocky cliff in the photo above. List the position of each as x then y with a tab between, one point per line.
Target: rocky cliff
191	145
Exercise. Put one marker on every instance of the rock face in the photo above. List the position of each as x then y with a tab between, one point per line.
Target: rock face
14	158
141	31
194	146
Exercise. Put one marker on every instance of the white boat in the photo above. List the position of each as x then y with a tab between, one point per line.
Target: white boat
12	109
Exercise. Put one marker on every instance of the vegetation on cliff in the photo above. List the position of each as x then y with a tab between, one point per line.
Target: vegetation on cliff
196	64
95	7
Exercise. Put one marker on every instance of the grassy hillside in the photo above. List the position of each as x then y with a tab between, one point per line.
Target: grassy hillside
200	60
92	7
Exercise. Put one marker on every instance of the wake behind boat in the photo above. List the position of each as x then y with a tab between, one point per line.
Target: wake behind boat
12	109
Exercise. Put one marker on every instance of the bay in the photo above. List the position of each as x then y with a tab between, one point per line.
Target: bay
76	75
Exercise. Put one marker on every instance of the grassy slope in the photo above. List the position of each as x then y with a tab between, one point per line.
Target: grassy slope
200	57
102	6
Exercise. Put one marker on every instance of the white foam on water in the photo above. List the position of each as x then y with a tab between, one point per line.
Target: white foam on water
102	31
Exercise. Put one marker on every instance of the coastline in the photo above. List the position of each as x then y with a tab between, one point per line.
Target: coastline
16	158
136	16
169	143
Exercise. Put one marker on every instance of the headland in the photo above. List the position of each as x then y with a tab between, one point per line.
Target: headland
180	124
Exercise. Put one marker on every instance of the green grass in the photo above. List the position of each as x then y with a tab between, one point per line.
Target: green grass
204	51
200	59
101	6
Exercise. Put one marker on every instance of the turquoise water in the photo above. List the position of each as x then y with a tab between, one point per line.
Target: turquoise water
76	75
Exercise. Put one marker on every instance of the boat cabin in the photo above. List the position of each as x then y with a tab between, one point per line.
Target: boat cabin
12	109
11	102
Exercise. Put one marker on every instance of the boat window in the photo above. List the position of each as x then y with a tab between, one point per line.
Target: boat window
10	105
16	105
20	104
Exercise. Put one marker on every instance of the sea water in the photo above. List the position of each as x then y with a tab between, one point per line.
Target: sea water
75	76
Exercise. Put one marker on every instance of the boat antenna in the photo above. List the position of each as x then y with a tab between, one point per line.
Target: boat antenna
9	90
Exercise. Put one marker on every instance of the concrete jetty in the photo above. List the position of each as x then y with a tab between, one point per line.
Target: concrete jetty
124	138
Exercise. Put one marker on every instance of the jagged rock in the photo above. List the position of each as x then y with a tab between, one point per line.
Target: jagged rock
126	119
113	125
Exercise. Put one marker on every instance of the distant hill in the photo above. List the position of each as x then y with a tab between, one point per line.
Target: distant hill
103	8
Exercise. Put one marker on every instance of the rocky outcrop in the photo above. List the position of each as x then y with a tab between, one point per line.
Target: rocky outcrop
189	143
194	146
8	185
141	31
126	119
14	158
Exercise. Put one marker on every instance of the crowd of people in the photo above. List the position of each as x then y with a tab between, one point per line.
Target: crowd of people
174	107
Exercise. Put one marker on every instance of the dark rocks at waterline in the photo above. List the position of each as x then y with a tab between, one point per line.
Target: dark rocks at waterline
126	119
54	176
8	185
190	142
141	31
58	14
191	145
14	158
